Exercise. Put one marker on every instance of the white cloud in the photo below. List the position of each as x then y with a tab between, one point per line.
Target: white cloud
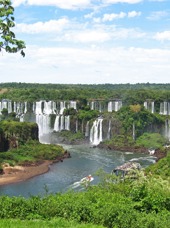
89	36
16	3
111	17
121	15
64	4
71	4
39	27
158	0
122	1
157	15
134	14
88	65
162	36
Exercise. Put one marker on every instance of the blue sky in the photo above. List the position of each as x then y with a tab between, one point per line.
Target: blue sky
90	42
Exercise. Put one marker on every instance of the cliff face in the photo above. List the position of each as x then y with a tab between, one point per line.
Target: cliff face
13	134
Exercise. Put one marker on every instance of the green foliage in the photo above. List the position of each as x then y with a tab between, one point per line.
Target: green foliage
151	140
128	93
87	114
22	131
8	116
143	202
151	194
31	152
120	141
70	112
55	223
70	136
8	42
109	207
161	168
143	120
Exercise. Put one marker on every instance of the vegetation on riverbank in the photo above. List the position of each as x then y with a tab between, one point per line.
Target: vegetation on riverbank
31	153
135	203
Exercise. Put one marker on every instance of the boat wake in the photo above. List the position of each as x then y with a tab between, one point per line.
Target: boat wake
85	181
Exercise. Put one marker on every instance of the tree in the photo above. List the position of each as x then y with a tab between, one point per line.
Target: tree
8	42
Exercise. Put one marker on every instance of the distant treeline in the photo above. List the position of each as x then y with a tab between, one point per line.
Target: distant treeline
128	93
107	86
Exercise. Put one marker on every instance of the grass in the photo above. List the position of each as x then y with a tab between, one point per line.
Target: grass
56	223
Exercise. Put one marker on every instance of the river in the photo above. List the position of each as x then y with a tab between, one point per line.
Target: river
66	175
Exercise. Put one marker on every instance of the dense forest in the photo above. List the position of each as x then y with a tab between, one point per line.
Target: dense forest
128	93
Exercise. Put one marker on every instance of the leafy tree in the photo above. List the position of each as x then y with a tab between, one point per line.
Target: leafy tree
151	140
8	42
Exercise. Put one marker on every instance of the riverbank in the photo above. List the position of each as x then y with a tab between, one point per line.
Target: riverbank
21	173
158	153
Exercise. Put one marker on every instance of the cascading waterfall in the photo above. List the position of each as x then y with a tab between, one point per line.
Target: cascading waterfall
165	108
62	107
57	123
92	105
96	132
67	123
73	104
87	129
77	125
133	131
114	106
9	107
109	130
42	119
150	106
110	106
62	123
49	107
167	129
97	105
3	104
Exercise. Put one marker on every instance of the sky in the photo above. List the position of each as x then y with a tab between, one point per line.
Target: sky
90	42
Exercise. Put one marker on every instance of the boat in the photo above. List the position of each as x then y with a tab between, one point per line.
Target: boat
83	182
88	178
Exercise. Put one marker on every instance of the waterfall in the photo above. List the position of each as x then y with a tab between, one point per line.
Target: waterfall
114	106
109	130
43	119
43	122
38	108
73	104
87	129
67	123
92	105
25	107
57	123
9	106
62	107
165	108
110	108
62	123
150	106
3	104
167	129
133	131
145	105
96	132
77	125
